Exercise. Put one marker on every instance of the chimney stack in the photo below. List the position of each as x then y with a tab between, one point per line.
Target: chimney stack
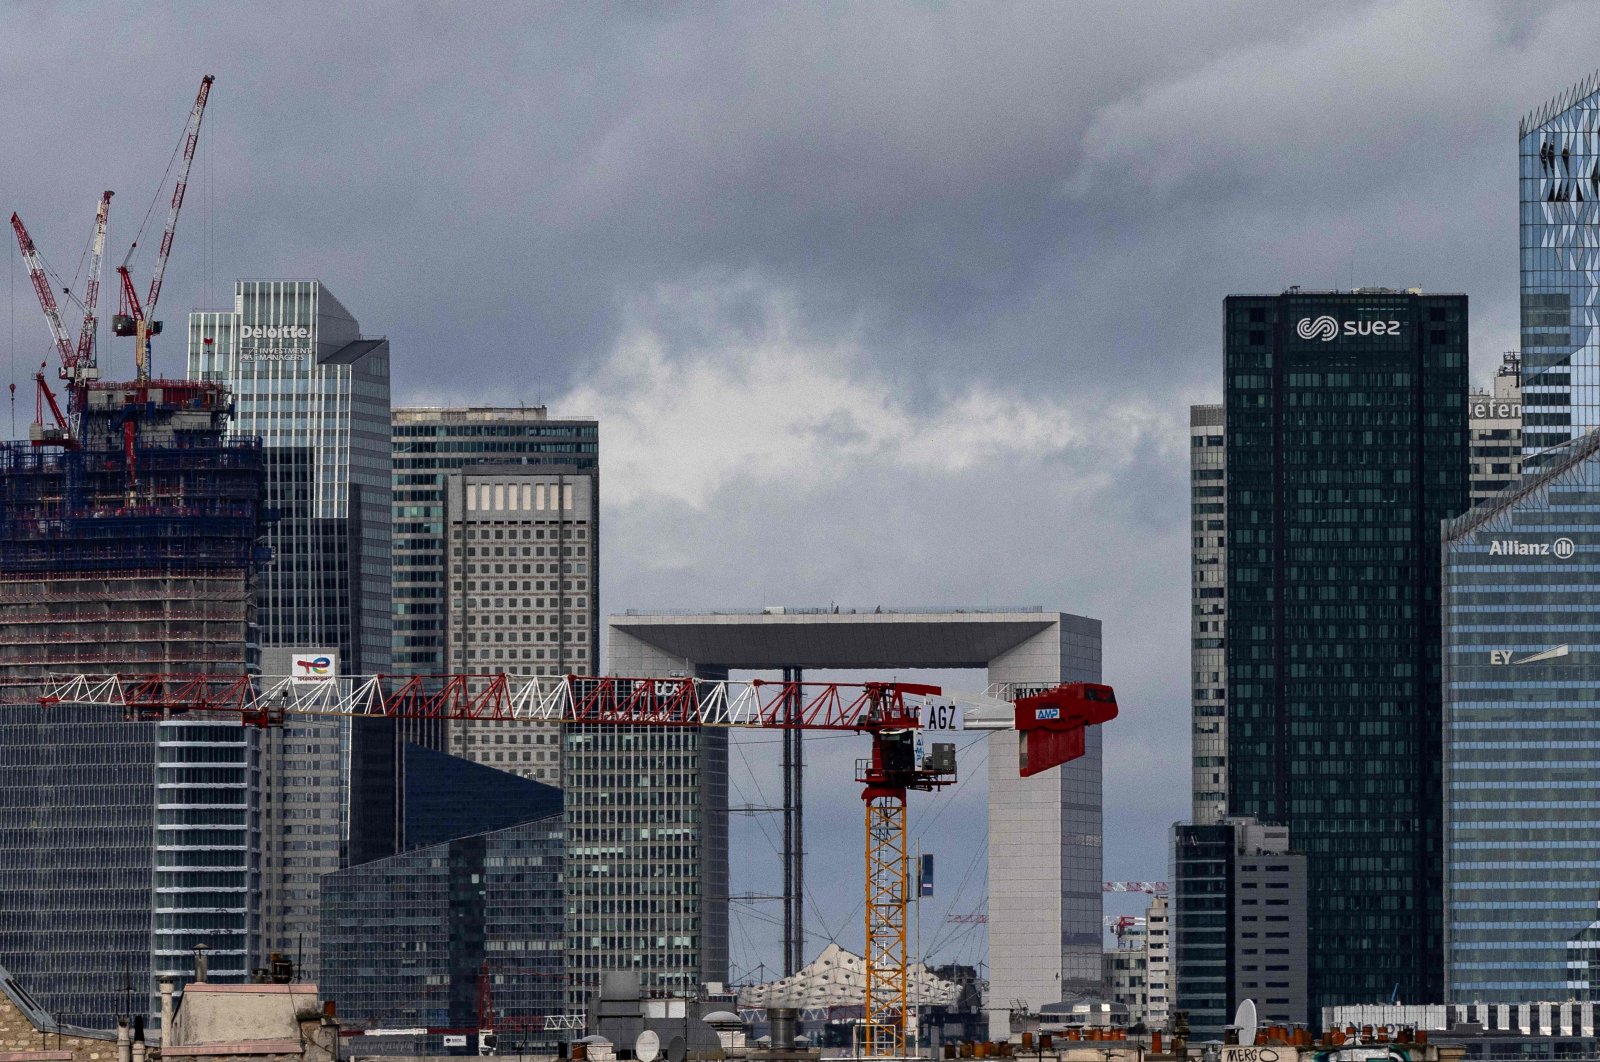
200	963
166	1012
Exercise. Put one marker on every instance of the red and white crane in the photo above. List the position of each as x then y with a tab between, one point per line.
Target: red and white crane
1050	723
77	362
133	316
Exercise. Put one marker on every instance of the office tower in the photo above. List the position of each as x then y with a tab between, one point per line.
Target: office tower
1239	924
1125	969
410	942
1347	445
1560	202
316	392
1494	426
429	444
520	597
124	843
1208	609
1158	951
1522	738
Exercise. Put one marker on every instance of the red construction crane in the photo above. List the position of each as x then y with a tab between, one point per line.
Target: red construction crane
77	363
1050	723
133	316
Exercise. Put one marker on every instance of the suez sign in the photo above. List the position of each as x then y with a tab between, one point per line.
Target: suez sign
1328	329
1561	549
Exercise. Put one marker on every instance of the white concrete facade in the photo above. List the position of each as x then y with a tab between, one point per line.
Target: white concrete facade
1045	858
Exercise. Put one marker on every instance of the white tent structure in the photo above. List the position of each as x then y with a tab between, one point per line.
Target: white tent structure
838	978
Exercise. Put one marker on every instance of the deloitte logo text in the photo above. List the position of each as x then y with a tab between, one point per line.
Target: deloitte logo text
1561	549
1326	328
274	332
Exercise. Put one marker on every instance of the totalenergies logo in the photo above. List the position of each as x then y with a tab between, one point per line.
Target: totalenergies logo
313	666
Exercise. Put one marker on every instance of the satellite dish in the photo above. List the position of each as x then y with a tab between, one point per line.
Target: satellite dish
647	1047
677	1049
1245	1019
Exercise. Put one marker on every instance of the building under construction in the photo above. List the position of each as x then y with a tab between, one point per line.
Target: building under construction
124	844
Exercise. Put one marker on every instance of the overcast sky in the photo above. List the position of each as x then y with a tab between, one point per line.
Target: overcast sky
877	303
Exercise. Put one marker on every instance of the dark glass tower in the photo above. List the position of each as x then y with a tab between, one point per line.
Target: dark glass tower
1346	447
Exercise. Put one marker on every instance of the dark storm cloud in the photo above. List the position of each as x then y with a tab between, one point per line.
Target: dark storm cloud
878	303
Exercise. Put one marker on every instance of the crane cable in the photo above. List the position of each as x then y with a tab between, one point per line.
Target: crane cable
155	199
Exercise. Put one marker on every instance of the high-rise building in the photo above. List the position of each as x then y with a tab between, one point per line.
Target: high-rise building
123	843
316	392
1158	952
1239	924
1522	738
1346	448
429	445
1494	426
410	942
520	597
1559	180
1208	611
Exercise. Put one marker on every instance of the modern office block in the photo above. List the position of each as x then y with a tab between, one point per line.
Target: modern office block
125	842
316	392
1494	426
414	940
448	797
430	444
1522	738
1208	610
520	597
1347	446
1559	180
1239	922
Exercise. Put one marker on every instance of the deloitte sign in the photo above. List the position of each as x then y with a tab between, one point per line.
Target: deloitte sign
274	342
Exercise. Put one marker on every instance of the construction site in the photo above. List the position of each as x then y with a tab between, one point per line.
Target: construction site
129	523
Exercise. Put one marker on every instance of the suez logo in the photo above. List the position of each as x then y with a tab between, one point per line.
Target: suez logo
1561	549
274	332
1326	328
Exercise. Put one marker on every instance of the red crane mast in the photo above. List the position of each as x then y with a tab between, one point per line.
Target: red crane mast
133	316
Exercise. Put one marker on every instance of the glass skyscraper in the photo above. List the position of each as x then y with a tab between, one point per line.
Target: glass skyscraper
1560	209
408	941
1346	422
316	392
1522	738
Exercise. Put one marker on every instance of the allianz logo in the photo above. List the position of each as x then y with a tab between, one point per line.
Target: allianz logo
1561	548
1326	328
274	332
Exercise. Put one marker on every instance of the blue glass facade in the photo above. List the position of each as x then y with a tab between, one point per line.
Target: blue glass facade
1522	738
449	797
1347	445
1559	182
406	939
